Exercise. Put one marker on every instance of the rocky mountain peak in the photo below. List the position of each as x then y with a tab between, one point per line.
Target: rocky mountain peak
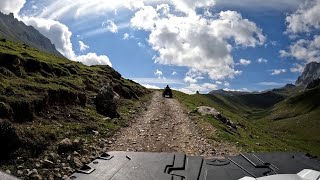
311	72
15	30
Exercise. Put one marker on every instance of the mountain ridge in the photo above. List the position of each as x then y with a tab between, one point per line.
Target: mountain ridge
311	72
15	30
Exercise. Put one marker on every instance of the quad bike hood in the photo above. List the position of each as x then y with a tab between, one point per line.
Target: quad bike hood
177	166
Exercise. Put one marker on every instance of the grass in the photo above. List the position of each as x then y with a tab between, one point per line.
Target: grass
256	132
41	94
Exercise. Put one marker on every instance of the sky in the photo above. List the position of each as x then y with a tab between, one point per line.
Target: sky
204	45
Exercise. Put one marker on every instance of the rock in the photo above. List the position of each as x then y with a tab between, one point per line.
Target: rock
77	162
19	172
8	171
37	177
77	143
65	145
311	72
106	119
95	132
65	177
58	175
227	122
76	153
83	160
37	165
32	172
206	110
47	163
107	101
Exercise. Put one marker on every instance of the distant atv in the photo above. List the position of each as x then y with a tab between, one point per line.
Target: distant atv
167	92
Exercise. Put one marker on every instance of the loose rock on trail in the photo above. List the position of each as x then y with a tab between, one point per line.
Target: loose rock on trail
164	127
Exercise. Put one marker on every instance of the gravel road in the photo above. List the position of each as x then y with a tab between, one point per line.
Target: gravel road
163	127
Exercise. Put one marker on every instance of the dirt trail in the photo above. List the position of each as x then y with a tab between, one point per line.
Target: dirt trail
164	127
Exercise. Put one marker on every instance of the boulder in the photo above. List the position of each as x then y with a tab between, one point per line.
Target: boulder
206	110
65	145
107	101
77	162
227	122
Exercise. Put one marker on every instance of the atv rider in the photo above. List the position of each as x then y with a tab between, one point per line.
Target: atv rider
167	92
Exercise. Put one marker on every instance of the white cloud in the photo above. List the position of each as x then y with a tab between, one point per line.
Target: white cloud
304	50
83	8
125	36
174	73
270	84
149	86
258	4
110	26
83	46
158	73
58	33
157	81
278	71
11	6
192	76
305	19
218	82
140	44
244	62
196	42
297	68
202	88
190	80
227	84
237	90
60	36
93	59
189	6
262	60
145	18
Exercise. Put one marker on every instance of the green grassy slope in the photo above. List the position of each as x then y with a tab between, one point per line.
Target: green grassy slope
296	120
252	136
45	98
290	125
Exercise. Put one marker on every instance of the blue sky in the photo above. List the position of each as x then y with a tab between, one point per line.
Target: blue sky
190	45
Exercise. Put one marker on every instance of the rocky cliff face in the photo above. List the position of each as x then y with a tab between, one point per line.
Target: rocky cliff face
311	72
12	29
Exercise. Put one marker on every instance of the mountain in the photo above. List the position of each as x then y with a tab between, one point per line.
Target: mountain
15	30
290	113
311	72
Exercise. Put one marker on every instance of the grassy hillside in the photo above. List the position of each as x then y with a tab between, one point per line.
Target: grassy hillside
45	98
290	125
252	137
296	120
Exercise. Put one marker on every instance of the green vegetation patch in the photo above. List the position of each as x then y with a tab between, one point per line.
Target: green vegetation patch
254	134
